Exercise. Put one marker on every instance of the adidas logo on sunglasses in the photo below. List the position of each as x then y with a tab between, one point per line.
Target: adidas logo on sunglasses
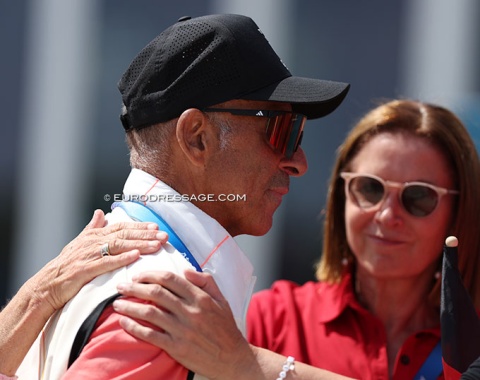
284	128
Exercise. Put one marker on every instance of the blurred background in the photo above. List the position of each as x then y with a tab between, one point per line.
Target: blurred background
62	147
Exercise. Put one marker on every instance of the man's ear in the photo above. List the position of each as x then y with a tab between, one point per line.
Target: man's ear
194	135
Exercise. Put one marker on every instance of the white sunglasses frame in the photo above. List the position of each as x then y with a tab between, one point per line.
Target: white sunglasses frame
440	191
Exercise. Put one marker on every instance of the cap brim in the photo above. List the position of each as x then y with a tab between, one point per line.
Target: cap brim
313	98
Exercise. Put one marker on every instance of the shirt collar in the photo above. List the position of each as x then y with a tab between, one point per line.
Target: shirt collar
181	215
211	245
338	297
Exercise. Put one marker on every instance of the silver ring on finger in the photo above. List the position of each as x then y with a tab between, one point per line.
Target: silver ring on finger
105	250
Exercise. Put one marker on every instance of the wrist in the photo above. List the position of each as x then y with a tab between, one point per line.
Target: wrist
37	293
288	365
250	367
245	365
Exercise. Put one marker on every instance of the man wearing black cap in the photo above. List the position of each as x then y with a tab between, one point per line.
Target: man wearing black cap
214	122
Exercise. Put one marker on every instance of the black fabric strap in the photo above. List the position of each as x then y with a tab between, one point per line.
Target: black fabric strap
83	334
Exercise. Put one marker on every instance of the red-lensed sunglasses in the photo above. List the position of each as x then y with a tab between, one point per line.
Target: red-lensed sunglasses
284	129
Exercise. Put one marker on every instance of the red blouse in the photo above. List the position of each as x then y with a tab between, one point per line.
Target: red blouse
324	325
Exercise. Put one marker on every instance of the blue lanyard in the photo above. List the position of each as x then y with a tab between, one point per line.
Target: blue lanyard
432	367
139	212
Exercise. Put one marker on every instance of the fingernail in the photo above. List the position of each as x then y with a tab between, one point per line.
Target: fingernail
152	226
161	235
123	286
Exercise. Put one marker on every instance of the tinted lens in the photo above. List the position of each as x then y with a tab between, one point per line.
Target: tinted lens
366	191
419	200
284	132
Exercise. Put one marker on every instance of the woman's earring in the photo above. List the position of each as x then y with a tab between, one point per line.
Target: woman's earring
437	275
345	261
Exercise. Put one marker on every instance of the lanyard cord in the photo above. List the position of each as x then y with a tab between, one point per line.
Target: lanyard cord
142	213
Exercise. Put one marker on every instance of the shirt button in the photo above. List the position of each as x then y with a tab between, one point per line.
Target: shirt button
404	359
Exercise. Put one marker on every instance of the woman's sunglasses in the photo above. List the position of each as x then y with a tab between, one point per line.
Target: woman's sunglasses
284	129
417	198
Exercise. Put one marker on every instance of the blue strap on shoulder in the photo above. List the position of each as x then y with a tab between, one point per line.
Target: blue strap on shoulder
142	213
432	367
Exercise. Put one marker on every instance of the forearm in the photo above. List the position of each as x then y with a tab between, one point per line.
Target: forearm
267	365
60	279
20	323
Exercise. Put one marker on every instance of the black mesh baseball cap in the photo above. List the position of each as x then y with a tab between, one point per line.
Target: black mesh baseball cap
203	61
